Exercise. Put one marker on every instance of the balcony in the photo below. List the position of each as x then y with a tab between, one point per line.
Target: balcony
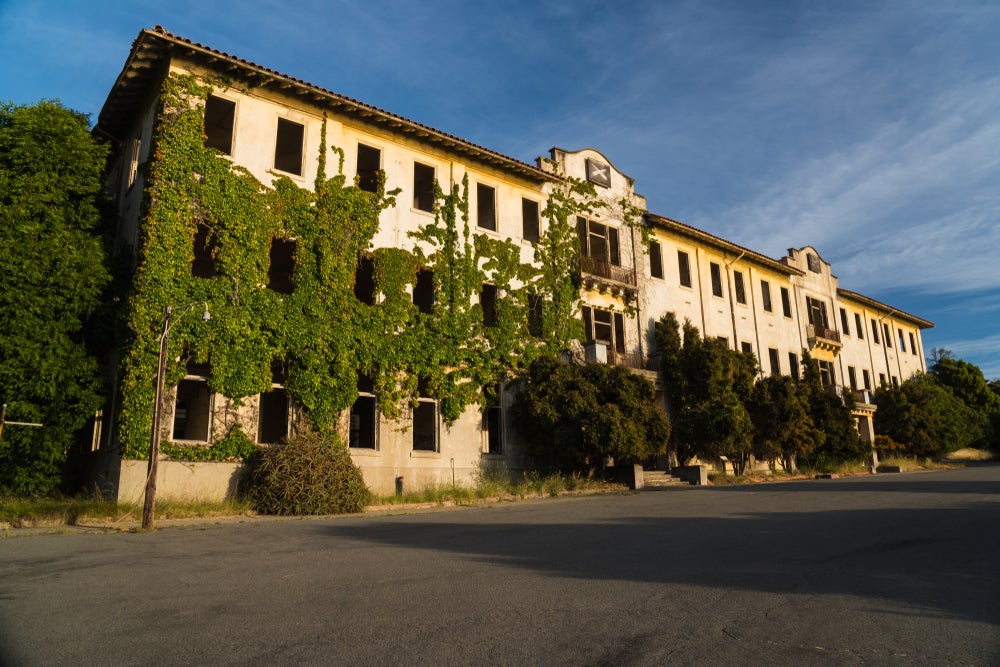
823	337
634	360
622	275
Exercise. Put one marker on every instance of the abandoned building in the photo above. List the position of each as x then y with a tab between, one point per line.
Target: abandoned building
267	125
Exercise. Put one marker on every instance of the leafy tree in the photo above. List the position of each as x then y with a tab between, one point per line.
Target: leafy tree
967	383
573	417
783	429
831	414
51	277
926	418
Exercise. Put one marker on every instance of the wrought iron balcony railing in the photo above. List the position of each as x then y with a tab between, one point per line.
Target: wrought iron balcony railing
602	269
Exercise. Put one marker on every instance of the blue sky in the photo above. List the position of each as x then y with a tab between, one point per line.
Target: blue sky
870	130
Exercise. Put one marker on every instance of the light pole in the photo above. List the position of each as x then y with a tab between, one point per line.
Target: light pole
154	446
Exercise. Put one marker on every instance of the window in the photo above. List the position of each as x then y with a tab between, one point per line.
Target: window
817	312
280	274
364	280
826	375
913	344
423	291
765	295
535	305
288	147
684	268
793	364
424	420
529	220
786	302
220	116
598	242
866	378
273	424
746	348
192	410
716	279
604	326
741	295
902	343
369	163
843	322
881	379
206	248
895	381
775	361
486	207
875	332
423	187
858	328
493	423
488	302
852	377
364	417
655	260
888	334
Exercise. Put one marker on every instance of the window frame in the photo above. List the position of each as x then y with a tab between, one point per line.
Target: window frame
367	179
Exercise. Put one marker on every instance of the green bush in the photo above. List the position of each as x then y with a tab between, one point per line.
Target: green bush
236	446
311	474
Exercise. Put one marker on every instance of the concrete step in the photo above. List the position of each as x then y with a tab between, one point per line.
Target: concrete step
659	479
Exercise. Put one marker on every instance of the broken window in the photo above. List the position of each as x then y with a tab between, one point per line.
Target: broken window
529	220
817	313
424	420
369	163
655	260
604	326
684	268
765	295
288	146
786	302
852	376
772	353
192	410
423	187
220	117
599	242
364	417
364	280
486	207
739	288
423	291
826	375
280	274
716	271
913	344
493	423
858	326
488	302
888	334
866	377
206	248
902	342
875	333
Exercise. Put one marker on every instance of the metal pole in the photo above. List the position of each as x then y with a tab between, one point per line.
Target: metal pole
154	447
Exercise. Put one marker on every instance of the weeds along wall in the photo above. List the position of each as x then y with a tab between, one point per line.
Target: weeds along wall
324	336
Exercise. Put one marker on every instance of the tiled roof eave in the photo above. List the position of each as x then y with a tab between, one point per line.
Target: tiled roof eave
878	305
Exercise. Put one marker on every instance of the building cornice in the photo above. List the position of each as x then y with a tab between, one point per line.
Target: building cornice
884	307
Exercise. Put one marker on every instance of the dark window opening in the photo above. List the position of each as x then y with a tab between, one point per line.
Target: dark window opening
273	425
598	241
288	147
913	344
206	249
786	302
364	280
280	275
423	187
488	302
866	377
423	291
655	260
881	379
369	163
604	326
716	271
816	310
888	334
793	364
844	323
486	207
493	424
684	268
765	295
852	377
620	333
529	220
279	371
826	375
746	347
875	332
858	328
364	417
220	117
424	420
902	342
772	353
192	411
741	295
535	315
895	381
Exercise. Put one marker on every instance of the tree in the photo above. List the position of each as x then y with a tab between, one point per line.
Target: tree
926	418
783	429
51	277
967	382
573	417
831	414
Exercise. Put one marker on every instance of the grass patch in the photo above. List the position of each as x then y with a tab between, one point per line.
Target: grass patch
906	463
18	512
497	489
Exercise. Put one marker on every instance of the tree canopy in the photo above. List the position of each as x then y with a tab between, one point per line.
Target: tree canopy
51	278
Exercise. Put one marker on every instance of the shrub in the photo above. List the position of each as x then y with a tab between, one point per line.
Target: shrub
311	474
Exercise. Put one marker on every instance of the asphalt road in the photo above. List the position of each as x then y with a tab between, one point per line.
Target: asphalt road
893	570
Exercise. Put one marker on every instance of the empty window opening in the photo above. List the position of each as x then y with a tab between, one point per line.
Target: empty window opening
493	424
423	187
741	294
858	328
280	274
535	313
793	365
843	322
772	353
220	117
369	163
852	377
716	271
888	334
423	291
684	268
746	347
765	295
206	249
786	302
486	207
881	379
913	344
364	280
655	260
529	220
364	417
192	411
875	332
598	242
866	378
902	342
288	147
273	425
488	302
424	421
895	381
